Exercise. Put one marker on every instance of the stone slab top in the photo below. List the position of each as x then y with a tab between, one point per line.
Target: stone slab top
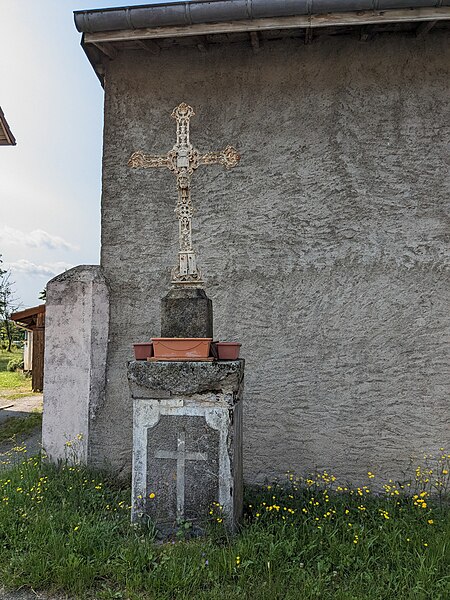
163	379
81	273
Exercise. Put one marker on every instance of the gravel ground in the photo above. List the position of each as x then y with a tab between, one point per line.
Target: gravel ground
19	408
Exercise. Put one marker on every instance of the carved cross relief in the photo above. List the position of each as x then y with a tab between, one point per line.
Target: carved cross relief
181	455
182	160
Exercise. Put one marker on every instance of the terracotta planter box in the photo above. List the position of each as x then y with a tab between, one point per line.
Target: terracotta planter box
181	347
143	351
228	350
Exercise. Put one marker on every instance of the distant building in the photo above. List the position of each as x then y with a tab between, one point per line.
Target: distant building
6	136
33	321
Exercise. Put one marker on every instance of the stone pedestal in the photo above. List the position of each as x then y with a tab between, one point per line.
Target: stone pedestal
187	441
186	312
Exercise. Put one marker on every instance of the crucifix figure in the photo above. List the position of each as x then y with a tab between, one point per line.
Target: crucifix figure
182	160
181	456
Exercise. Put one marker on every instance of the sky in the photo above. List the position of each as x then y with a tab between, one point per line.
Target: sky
50	182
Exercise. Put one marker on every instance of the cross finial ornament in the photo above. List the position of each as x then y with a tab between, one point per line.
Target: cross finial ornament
182	160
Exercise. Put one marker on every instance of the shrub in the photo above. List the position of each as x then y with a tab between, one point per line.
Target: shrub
14	364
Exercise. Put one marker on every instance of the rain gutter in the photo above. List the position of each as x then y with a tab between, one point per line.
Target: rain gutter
203	12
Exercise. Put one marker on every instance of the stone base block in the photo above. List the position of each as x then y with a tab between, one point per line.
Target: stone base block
186	312
187	442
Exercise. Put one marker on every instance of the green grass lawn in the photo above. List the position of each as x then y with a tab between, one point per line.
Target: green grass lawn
68	530
12	384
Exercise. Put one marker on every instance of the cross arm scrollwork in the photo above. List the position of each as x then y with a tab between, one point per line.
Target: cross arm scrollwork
229	158
183	159
139	159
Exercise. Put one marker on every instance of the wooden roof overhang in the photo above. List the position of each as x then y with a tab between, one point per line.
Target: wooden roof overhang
6	136
27	319
103	46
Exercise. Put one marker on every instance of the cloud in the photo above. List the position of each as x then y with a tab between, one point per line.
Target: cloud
35	239
44	270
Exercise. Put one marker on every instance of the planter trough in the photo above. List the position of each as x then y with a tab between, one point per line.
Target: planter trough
228	350
143	351
173	348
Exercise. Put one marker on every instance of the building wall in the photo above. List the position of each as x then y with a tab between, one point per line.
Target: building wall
324	251
28	351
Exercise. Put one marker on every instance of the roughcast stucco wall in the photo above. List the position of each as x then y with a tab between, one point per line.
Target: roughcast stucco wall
324	251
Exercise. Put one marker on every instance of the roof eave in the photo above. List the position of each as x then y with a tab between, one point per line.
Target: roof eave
100	45
10	139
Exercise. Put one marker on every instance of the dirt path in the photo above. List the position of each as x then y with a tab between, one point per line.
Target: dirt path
19	408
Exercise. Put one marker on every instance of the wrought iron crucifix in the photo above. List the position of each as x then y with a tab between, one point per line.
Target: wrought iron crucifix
182	160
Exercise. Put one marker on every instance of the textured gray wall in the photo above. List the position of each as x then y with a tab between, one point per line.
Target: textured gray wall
324	250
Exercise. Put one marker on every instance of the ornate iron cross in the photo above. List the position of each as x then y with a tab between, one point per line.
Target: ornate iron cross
182	160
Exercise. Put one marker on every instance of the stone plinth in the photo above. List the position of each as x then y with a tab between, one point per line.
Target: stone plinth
187	441
186	312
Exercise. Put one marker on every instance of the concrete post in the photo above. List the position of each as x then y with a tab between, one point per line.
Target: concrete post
77	321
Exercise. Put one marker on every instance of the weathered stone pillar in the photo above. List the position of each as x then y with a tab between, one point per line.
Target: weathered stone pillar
76	339
187	441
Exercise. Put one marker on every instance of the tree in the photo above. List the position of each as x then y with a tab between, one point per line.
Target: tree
43	295
8	305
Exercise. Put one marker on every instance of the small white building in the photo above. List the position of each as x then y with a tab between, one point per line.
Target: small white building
33	321
28	350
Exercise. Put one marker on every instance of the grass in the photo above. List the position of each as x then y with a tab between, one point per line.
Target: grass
16	426
12	383
68	530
